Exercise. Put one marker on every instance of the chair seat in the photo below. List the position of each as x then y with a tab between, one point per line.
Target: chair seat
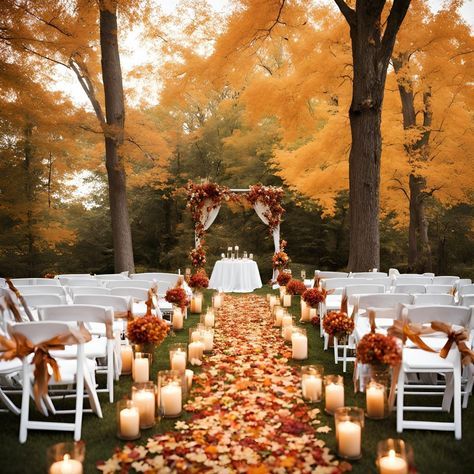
8	366
333	302
67	369
93	349
419	359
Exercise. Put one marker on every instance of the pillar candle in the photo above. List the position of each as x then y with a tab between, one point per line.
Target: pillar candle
195	351
171	400
334	397
189	378
177	319
279	312
129	422
349	439
66	466
145	402
286	301
192	305
141	370
312	388
178	361
197	304
127	359
375	400
286	320
217	301
287	332
305	311
299	346
273	300
392	464
209	320
312	313
208	340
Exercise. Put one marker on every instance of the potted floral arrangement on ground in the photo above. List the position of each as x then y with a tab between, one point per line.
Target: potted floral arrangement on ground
147	332
197	282
177	296
338	324
295	287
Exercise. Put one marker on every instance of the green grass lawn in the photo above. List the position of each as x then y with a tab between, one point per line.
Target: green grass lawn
435	452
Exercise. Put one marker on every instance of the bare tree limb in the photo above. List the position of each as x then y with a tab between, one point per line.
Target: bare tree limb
347	11
395	18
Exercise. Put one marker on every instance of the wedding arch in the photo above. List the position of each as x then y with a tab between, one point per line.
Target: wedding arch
205	200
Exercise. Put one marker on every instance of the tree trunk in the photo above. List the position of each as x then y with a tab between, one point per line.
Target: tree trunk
30	236
371	52
114	134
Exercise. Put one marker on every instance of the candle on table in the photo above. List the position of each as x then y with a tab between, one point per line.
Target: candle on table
66	466
145	402
236	248
334	396
299	346
141	370
375	400
177	318
222	255
251	256
171	400
286	301
129	423
178	361
392	464
349	436
127	358
189	378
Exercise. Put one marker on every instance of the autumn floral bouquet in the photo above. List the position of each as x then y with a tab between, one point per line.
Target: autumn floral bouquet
199	280
379	349
147	330
337	323
314	296
177	296
280	259
283	278
295	287
198	257
270	197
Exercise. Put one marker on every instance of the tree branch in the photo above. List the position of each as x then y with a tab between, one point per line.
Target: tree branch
348	12
395	18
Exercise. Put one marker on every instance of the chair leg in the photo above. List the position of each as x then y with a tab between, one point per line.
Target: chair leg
25	403
79	399
92	394
457	402
110	370
344	358
400	399
448	393
9	404
336	349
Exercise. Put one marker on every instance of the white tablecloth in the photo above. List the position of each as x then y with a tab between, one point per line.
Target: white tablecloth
238	276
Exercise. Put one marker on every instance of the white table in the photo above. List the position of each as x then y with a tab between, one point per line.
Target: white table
238	276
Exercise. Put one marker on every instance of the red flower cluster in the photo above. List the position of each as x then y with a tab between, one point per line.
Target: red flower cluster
198	257
315	321
177	296
314	296
280	260
338	324
147	330
295	287
199	280
376	348
283	278
49	275
269	196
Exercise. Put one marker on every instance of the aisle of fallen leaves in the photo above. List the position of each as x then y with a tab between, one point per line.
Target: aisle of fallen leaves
246	406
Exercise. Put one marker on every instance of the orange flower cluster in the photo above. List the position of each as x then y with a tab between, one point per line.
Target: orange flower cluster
295	287
199	280
280	260
177	296
283	278
337	323
314	296
147	330
377	348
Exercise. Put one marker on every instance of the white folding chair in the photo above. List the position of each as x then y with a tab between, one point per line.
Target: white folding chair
466	290
416	360
98	347
75	371
462	282
170	278
466	300
445	280
409	289
432	299
409	279
328	275
71	282
35	281
111	276
43	290
138	295
144	284
369	275
439	289
88	290
34	301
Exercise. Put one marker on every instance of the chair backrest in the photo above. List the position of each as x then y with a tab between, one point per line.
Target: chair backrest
368	275
409	289
466	290
463	282
144	284
75	275
171	278
111	276
459	315
466	300
80	282
387	300
41	290
36	281
431	299
89	290
79	312
334	283
326	275
140	294
413	280
118	303
40	331
439	289
34	301
445	280
354	290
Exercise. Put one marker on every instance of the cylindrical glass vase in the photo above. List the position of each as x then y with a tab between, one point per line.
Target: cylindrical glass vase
177	318
299	344
66	457
170	393
333	392
144	397
178	356
128	420
312	383
349	422
393	456
141	367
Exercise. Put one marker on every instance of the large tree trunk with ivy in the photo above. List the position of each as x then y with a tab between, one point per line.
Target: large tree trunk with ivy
114	135
371	51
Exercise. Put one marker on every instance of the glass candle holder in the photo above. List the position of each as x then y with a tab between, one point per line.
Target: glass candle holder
303	274
245	254
195	333
178	356
207	338
208	319
177	318
287	331
189	378
170	393
376	400
349	422
141	367
282	292
66	457
196	303
126	353
273	301
217	300
393	456
334	393
305	312
143	395
312	382
278	313
299	344
251	256
195	352
287	300
128	420
268	297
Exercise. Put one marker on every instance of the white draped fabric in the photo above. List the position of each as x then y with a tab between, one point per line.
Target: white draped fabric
208	217
238	276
